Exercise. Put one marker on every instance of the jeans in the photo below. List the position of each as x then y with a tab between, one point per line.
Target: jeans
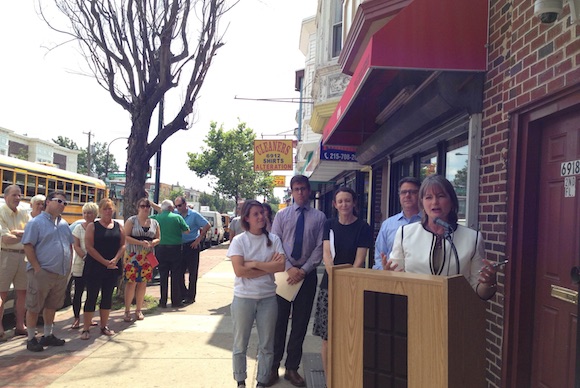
244	312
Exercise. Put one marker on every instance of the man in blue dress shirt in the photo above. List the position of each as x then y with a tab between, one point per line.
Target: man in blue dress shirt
409	198
191	247
301	261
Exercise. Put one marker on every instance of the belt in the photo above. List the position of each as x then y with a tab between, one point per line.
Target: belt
13	250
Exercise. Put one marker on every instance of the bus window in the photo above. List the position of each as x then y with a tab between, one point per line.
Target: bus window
20	179
60	186
41	187
68	190
7	179
30	186
76	194
91	191
51	185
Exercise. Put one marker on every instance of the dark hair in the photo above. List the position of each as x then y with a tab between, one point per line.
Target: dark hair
345	189
299	179
410	179
53	194
268	208
144	201
442	183
246	213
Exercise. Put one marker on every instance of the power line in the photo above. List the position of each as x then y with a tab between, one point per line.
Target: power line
293	100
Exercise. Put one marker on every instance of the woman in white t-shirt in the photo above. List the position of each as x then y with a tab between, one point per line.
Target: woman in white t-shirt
90	211
256	255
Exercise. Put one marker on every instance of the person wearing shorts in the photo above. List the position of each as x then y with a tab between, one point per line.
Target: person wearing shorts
12	260
48	243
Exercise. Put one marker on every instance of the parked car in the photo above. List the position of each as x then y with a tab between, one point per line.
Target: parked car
226	221
216	233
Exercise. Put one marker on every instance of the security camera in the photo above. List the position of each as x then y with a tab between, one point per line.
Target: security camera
548	10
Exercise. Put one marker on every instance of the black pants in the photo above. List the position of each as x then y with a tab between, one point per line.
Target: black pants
103	280
189	263
301	310
169	257
79	289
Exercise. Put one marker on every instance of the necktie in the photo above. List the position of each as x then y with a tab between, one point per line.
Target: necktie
298	236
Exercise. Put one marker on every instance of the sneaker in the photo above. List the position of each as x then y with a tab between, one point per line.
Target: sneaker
51	340
33	345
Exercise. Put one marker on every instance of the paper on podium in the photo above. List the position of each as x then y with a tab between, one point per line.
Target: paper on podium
284	289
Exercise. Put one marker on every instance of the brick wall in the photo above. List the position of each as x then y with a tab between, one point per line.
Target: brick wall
527	60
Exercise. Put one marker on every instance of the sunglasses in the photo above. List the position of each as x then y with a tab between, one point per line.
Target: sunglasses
61	201
180	205
144	206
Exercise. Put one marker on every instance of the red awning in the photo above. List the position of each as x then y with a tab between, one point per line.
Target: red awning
429	35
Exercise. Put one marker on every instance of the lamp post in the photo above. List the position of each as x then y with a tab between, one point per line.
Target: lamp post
107	158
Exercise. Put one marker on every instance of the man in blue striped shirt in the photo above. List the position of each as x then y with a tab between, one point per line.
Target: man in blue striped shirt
409	198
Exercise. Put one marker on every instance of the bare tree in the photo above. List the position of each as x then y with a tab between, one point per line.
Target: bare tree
138	50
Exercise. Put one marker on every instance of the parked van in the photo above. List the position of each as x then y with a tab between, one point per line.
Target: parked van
216	233
226	221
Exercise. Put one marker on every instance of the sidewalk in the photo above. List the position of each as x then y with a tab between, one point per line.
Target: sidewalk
189	347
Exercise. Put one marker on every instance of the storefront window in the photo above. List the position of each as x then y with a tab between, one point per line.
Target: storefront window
428	164
456	173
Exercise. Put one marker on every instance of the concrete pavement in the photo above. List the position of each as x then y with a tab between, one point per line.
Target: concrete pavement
190	346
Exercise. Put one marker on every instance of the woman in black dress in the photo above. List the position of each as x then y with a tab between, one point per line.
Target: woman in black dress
345	240
105	243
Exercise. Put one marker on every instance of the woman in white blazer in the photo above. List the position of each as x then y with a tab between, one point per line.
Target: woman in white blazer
438	245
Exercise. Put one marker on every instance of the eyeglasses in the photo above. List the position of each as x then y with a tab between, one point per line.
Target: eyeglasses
402	193
299	189
144	206
180	205
61	201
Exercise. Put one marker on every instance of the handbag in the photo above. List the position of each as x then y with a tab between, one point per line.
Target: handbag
152	259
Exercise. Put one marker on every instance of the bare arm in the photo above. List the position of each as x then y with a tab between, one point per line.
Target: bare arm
361	254
242	270
326	255
201	236
31	256
277	264
77	247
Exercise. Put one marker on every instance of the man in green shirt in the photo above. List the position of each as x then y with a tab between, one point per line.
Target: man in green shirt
168	253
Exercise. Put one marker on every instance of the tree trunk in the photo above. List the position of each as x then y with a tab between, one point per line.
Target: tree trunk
138	157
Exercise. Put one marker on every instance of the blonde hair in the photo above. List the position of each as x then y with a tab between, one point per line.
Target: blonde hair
106	202
91	207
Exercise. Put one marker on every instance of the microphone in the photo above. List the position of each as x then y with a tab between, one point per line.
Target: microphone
444	224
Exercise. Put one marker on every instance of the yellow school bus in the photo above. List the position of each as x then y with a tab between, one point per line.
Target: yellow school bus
34	178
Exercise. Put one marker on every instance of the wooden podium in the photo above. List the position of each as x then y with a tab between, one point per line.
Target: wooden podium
393	329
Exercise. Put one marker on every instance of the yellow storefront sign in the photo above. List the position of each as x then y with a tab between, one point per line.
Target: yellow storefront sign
279	180
273	155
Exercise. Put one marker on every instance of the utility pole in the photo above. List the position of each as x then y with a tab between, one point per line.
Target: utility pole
89	153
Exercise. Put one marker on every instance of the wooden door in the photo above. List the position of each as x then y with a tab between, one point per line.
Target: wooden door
554	327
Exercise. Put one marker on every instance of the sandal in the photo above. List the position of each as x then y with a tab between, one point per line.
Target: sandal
76	324
106	331
139	315
85	335
127	317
